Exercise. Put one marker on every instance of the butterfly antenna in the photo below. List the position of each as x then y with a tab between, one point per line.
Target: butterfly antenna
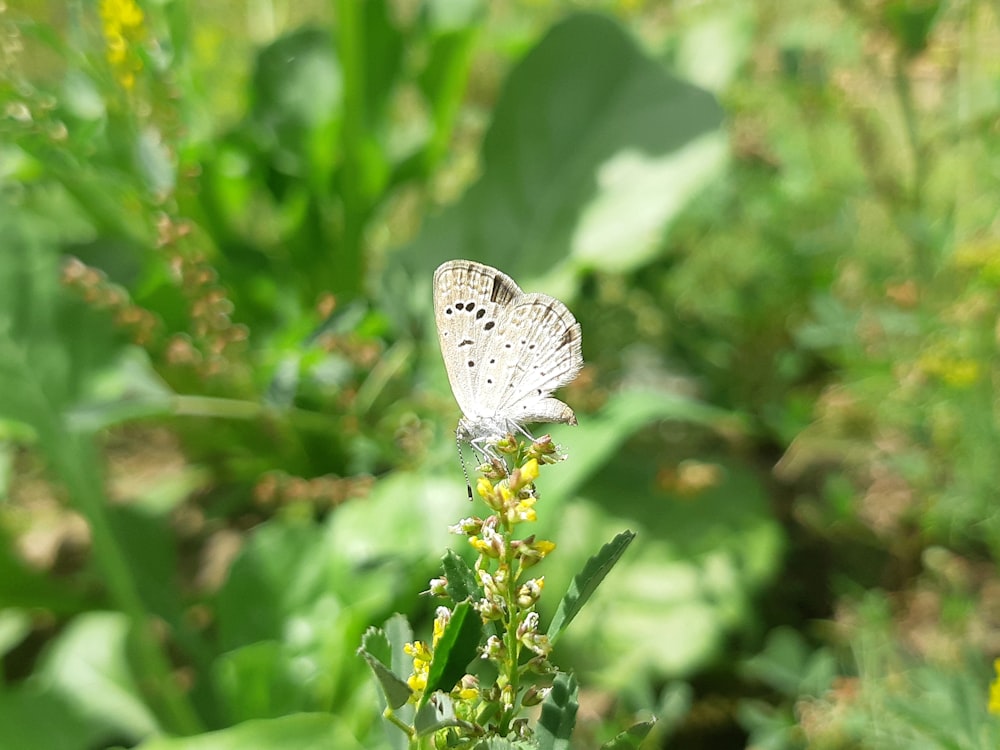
461	460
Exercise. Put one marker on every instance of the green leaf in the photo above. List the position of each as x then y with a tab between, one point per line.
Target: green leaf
15	625
558	717
461	580
597	439
588	159
130	391
34	718
398	631
297	86
690	580
586	582
281	571
298	732
88	667
383	53
261	680
148	544
457	647
376	650
51	346
386	647
451	26
370	48
790	666
22	587
911	22
288	586
631	737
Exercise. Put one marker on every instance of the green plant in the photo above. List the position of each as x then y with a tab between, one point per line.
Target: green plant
212	244
488	660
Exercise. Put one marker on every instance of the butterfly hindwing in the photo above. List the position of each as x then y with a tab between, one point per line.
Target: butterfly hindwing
546	341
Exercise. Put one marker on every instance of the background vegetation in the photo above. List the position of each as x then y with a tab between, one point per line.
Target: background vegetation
225	432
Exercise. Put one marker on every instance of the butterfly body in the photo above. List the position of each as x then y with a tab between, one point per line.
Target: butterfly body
505	351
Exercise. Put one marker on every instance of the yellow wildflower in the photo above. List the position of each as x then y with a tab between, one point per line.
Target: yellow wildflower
467	688
421	666
123	29
531	552
524	476
523	511
958	372
994	704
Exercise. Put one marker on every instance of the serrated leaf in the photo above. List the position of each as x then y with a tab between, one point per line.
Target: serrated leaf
398	631
461	580
631	737
586	582
375	648
462	585
455	649
558	717
376	643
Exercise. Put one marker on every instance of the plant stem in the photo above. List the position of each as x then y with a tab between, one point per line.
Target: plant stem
77	462
355	178
513	615
232	408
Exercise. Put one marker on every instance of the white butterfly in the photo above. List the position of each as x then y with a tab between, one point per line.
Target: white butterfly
505	351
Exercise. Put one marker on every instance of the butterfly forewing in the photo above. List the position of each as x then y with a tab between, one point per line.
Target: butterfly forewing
470	300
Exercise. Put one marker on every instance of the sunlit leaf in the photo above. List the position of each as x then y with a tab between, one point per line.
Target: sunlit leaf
299	732
587	160
88	666
457	647
631	738
461	579
558	717
376	650
586	582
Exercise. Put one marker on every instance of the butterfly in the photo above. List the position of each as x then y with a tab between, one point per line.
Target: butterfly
505	351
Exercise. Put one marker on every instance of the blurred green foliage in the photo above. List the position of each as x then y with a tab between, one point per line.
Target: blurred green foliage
225	435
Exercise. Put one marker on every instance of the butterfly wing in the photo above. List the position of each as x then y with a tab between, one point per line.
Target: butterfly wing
470	300
505	351
544	353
